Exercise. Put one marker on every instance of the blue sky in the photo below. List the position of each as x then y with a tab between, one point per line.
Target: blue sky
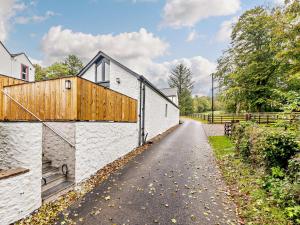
149	36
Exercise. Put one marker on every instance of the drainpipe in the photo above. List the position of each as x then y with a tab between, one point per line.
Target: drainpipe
140	114
142	111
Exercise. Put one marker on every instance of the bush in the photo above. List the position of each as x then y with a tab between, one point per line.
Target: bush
294	169
278	148
293	213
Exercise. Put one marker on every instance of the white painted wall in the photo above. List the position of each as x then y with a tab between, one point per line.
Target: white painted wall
90	74
20	146
129	84
98	144
5	61
11	66
155	120
16	67
58	150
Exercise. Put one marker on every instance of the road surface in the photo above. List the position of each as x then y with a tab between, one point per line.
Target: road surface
175	181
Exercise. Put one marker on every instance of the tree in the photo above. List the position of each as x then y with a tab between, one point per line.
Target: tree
181	78
40	73
69	67
201	104
73	64
57	70
248	70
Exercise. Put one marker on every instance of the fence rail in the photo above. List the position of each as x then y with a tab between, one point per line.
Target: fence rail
52	100
263	118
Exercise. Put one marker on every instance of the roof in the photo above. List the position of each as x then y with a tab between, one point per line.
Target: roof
17	54
138	76
170	92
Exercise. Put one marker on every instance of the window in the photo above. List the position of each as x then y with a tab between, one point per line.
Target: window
102	71
166	111
24	72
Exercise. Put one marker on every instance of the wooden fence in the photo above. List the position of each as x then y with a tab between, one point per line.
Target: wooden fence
4	81
261	118
51	101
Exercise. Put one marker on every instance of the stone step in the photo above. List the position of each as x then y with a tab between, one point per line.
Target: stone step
52	180
54	192
46	163
50	170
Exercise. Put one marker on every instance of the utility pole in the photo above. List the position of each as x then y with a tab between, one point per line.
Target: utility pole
212	98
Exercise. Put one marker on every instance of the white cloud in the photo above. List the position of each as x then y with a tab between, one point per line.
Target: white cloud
34	18
225	30
180	13
8	9
137	50
131	47
36	61
278	2
193	35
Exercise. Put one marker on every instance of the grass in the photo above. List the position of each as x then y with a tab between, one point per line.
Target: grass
245	182
194	118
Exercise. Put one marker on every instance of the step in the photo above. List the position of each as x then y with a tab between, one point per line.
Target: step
46	163
50	170
53	180
56	191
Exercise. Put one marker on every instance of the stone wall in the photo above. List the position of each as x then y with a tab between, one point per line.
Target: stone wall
20	146
98	144
58	150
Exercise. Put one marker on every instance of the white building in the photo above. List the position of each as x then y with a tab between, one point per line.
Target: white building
158	111
15	65
77	149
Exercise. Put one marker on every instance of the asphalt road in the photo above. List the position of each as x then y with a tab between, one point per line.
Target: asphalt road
176	181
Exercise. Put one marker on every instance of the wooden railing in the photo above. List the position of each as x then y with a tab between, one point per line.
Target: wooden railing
261	118
51	100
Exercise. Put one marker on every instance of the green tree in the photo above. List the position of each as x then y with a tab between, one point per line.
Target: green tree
201	104
74	64
248	71
57	70
181	78
40	73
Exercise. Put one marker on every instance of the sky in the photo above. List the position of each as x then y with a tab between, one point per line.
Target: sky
149	36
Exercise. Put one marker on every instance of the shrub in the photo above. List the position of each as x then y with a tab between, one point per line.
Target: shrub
239	132
294	169
293	213
278	148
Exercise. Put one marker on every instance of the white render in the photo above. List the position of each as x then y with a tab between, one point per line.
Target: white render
98	144
10	64
20	146
156	120
58	150
125	81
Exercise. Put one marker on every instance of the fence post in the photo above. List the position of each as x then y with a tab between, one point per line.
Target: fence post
259	119
267	119
221	119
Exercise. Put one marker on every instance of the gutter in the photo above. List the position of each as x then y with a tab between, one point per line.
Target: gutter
150	85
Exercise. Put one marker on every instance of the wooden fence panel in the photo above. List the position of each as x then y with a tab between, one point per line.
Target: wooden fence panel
48	100
51	101
102	104
4	81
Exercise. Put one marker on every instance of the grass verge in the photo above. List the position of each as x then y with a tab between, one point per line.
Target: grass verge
245	184
195	118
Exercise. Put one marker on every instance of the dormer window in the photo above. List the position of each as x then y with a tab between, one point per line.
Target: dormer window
102	72
24	72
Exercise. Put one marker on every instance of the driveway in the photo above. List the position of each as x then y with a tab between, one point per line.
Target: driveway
176	181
